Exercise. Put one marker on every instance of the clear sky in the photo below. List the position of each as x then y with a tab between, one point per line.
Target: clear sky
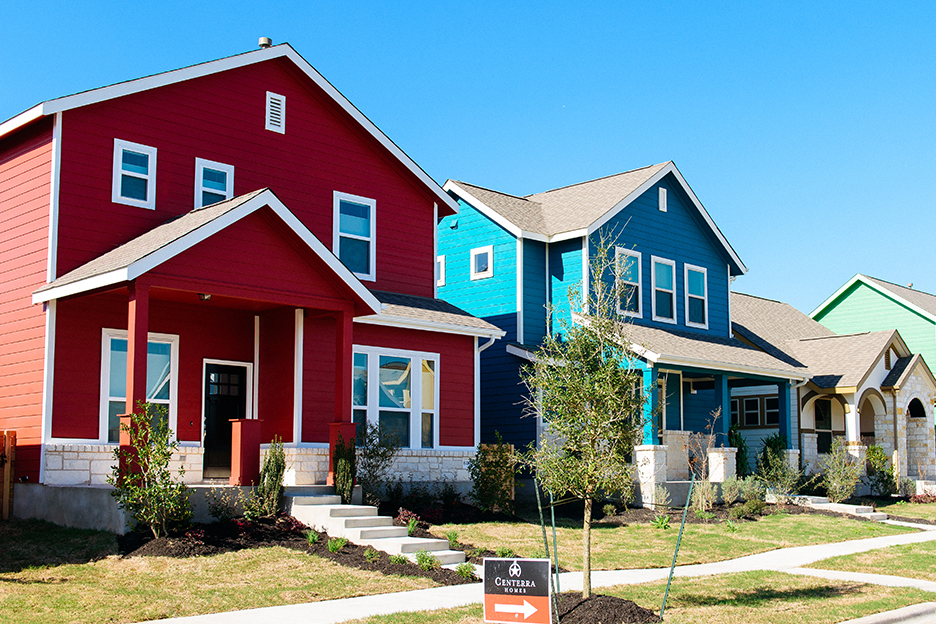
808	130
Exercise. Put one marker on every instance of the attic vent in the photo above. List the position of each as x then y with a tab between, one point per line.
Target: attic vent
662	199
276	112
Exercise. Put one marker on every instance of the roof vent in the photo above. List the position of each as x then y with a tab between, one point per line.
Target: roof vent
910	285
265	42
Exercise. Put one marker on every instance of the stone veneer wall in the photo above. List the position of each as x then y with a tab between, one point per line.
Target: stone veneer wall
91	464
677	453
921	440
811	452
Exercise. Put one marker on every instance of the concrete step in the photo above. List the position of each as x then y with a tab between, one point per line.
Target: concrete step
367	521
876	516
406	545
318	499
445	557
309	490
367	534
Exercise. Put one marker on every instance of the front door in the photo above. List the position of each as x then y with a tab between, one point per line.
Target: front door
225	399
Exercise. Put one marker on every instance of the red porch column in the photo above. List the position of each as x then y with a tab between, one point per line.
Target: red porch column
343	424
137	331
245	452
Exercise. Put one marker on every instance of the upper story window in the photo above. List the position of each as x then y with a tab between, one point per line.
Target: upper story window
214	182
662	201
627	274
664	290
482	262
440	271
134	182
696	296
355	229
275	112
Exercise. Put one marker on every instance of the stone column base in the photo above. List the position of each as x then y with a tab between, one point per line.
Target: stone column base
651	471
722	463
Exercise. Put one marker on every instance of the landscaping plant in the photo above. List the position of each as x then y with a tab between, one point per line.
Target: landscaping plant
313	537
660	521
466	570
336	543
773	469
375	453
411	525
880	477
452	537
731	490
426	560
840	472
343	465
372	555
398	559
144	486
736	440
505	552
492	476
266	498
222	503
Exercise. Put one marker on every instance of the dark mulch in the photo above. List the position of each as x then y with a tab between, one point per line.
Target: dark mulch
211	539
601	609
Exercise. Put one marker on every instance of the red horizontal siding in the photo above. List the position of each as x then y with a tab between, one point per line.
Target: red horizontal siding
318	385
25	183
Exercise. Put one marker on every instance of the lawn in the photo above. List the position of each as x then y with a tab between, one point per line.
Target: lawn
643	546
749	597
916	561
51	574
924	511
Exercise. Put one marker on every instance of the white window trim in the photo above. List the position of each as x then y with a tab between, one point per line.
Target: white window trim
338	197
618	252
249	413
704	272
489	250
107	334
119	146
268	118
416	409
200	165
440	270
662	200
654	260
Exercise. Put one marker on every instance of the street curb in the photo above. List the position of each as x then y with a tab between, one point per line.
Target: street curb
914	614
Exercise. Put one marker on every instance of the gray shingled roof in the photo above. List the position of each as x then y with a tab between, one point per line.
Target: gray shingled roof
769	324
922	300
431	310
901	366
837	361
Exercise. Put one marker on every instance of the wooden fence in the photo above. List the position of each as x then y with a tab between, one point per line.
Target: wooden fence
7	461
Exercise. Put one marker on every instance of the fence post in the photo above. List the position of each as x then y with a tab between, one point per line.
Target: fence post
7	459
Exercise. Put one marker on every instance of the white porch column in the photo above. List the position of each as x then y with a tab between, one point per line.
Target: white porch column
651	470
722	463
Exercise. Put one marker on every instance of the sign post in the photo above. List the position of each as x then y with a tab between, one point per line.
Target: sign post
517	590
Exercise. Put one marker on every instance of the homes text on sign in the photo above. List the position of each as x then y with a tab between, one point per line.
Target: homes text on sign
517	590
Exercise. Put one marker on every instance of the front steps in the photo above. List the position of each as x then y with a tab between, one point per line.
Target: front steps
821	502
361	525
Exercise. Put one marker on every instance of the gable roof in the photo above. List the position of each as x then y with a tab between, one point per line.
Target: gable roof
918	301
284	50
149	250
579	209
769	324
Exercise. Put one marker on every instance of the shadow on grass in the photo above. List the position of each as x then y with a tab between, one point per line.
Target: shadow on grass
38	544
757	597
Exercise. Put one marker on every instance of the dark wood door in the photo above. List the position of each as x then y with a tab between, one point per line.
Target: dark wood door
225	398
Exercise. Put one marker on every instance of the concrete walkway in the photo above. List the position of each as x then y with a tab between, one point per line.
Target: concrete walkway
787	560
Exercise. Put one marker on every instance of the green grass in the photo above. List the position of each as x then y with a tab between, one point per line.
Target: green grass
749	597
925	511
916	561
642	546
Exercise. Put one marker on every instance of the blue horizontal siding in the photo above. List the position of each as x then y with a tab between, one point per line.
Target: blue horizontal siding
534	292
503	391
565	271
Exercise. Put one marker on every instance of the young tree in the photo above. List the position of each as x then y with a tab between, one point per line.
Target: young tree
585	386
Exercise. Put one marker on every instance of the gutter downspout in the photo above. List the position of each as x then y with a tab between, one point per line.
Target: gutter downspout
487	344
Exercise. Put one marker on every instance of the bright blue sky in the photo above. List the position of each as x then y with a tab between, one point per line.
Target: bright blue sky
808	131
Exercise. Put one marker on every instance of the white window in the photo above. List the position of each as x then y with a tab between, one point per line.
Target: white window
662	199
397	390
134	182
355	228
440	271
696	279
627	274
214	182
162	362
276	112
664	290
482	262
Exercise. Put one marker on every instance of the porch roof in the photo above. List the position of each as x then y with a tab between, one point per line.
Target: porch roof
842	361
147	251
413	312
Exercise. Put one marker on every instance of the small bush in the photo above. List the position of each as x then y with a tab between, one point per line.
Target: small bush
923	499
880	477
505	552
452	537
703	495
840	472
492	476
336	543
907	487
345	468
222	504
426	560
411	525
372	555
398	559
749	509
449	495
752	489
395	490
404	516
782	479
609	510
466	571
375	453
704	515
661	496
419	495
313	537
736	440
266	497
731	526
660	522
731	490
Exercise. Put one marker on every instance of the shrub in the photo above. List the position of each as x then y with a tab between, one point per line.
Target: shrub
752	489
731	526
222	504
395	490
336	543
375	453
880	478
404	516
145	487
505	552
343	465
907	487
704	515
419	496
371	555
782	479
840	472
660	521
742	461
923	499
749	509
492	476
731	490
313	537
398	559
703	495
267	496
452	537
609	510
426	560
449	495
661	496
411	525
466	571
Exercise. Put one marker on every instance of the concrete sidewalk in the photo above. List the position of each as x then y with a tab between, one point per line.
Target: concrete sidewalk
783	560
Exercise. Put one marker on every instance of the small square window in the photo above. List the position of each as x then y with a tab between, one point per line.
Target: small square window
275	112
134	182
482	262
214	182
752	412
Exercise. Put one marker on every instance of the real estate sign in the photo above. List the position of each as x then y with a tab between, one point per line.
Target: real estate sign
517	590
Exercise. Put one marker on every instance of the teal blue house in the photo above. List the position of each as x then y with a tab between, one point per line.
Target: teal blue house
504	258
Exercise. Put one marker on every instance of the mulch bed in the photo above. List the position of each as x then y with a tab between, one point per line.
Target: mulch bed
601	609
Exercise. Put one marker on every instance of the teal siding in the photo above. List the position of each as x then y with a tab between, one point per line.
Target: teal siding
534	292
565	271
679	234
861	308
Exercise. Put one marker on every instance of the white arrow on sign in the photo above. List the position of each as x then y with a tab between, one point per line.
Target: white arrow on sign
526	609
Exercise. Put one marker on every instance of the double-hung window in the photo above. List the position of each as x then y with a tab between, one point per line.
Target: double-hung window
696	296
355	229
397	390
627	275
214	182
162	362
664	290
134	182
482	262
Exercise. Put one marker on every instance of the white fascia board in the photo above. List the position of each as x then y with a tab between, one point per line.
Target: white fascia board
433	326
480	206
23	119
91	283
556	238
836	294
520	352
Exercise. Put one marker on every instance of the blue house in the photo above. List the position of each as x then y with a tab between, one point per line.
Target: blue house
504	258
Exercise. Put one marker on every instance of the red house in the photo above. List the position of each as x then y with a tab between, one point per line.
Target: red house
233	240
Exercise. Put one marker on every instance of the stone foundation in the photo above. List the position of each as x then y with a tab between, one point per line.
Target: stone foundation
677	452
91	464
651	471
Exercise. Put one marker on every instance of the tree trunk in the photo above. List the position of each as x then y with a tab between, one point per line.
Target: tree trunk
586	550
